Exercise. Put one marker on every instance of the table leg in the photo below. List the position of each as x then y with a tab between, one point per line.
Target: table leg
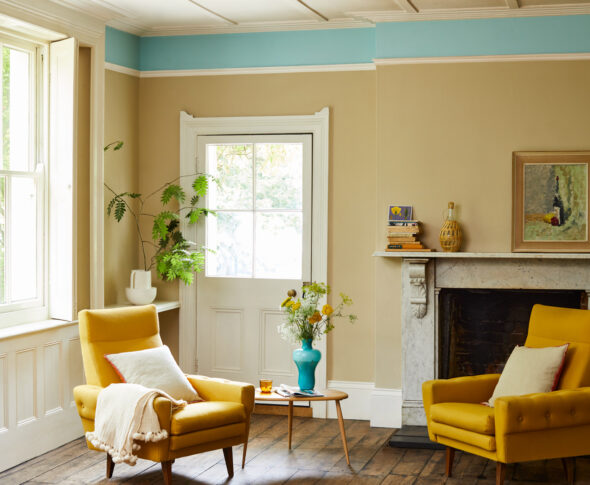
342	432
290	422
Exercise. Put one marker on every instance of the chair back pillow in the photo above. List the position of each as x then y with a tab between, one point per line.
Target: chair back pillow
530	370
156	369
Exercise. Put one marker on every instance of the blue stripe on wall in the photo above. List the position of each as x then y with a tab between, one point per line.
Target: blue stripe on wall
121	48
259	49
439	38
524	35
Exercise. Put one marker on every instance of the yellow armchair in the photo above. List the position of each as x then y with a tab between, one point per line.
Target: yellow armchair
221	421
520	428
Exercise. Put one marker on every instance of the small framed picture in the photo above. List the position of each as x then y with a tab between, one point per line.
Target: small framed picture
550	202
400	213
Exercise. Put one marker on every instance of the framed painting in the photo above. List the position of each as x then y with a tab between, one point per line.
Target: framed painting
400	213
550	202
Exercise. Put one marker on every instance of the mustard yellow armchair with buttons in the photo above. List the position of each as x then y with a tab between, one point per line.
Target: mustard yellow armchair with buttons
520	428
222	421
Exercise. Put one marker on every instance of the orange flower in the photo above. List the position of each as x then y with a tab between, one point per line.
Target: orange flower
315	318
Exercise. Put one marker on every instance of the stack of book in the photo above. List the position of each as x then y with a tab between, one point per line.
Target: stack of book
403	236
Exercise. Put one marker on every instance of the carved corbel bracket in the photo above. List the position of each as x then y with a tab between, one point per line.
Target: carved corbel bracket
417	274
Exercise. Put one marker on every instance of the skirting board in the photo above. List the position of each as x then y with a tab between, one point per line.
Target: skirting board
382	407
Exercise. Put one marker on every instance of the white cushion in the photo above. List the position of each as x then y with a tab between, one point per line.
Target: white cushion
154	368
530	370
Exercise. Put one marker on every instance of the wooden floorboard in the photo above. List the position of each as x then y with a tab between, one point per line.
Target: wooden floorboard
316	457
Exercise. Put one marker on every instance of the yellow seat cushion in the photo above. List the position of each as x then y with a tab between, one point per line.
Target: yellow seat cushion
206	415
472	417
479	440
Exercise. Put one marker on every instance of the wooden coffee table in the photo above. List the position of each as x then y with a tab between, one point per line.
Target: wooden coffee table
328	395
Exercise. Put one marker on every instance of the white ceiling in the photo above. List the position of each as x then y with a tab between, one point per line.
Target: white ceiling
170	17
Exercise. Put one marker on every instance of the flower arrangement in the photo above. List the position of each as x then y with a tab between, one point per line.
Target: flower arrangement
304	320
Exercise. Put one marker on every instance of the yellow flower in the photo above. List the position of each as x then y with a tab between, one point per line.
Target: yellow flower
296	306
289	303
396	210
286	302
316	317
327	310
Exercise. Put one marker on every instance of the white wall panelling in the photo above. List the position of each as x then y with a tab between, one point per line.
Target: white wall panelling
37	411
228	339
275	353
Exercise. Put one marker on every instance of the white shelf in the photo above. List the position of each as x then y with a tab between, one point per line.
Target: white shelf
161	306
459	255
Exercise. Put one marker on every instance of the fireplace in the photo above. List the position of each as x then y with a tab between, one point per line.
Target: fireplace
437	283
478	328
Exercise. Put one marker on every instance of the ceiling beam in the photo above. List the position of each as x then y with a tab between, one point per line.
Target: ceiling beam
406	5
512	4
323	17
215	14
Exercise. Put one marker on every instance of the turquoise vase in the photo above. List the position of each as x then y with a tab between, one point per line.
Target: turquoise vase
306	358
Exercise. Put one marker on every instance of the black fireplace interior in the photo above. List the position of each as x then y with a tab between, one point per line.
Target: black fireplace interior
479	328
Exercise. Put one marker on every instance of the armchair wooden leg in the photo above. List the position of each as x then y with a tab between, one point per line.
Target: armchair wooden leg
449	461
569	467
110	466
229	461
167	471
500	473
246	443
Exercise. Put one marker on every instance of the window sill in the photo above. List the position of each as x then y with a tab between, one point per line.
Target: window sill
44	325
33	327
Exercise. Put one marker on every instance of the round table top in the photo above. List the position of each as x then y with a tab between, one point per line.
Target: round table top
328	395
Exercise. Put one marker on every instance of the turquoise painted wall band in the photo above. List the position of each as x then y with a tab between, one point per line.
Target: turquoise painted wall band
439	38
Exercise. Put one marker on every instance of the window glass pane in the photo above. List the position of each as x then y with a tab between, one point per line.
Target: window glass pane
278	245
22	277
279	175
16	85
230	236
231	164
2	238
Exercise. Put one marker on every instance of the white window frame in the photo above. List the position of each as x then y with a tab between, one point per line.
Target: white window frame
306	141
37	308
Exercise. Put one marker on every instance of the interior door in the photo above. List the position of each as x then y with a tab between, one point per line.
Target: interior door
260	247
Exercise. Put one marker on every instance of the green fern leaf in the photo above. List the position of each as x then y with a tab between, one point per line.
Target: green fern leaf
120	209
200	185
193	215
173	191
110	206
134	195
194	200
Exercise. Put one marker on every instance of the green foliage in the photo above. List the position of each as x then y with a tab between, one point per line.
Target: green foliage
173	256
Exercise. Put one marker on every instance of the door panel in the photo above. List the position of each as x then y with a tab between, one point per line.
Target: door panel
262	242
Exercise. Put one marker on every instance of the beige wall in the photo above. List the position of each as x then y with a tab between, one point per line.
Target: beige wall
121	174
447	132
351	98
416	134
83	181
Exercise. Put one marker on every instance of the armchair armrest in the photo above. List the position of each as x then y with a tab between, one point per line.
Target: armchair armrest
472	389
533	412
86	397
213	389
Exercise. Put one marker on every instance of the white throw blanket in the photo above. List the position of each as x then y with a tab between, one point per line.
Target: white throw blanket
125	412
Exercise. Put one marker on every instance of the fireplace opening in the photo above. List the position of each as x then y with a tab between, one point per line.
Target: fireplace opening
478	329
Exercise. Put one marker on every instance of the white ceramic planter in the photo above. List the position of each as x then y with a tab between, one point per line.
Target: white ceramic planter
140	291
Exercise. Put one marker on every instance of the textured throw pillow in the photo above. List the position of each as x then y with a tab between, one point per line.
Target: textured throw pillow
529	370
154	368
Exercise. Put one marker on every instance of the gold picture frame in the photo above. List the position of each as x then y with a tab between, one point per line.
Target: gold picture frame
550	194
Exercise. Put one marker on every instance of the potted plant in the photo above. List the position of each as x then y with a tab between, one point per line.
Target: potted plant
173	256
305	322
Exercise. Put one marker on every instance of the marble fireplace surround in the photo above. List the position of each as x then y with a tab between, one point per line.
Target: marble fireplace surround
424	274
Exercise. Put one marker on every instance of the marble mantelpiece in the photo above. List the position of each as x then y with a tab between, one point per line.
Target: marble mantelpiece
424	274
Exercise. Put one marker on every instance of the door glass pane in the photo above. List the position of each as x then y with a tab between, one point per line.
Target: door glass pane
279	175
22	278
278	245
229	235
2	239
15	109
231	164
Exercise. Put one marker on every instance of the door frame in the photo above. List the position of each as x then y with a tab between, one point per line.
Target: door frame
318	125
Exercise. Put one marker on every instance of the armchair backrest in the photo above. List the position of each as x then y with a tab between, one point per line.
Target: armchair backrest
112	331
552	326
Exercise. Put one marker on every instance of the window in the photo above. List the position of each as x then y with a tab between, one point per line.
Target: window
22	184
261	201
